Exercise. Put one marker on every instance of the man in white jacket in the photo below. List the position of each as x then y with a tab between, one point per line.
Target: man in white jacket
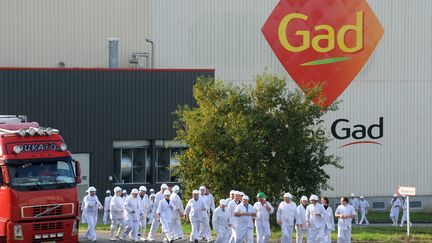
194	209
228	200
90	212
220	222
395	209
262	224
244	214
404	208
107	202
208	201
364	208
315	213
286	215
164	215
355	204
132	209
345	214
231	207
116	214
301	209
144	202
155	223
328	219
175	199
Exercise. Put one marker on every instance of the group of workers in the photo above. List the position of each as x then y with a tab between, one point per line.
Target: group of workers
396	206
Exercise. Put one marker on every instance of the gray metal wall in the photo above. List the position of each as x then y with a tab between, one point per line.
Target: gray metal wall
93	108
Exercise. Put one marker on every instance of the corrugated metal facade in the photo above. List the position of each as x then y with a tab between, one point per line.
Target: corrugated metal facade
94	108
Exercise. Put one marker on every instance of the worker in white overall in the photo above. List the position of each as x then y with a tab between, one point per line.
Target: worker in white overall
176	226
404	208
364	208
155	223
132	209
106	205
244	214
355	204
328	220
231	207
394	211
302	229
220	222
315	213
231	197
345	214
90	212
116	214
205	232
144	201
164	215
286	216
194	209
262	224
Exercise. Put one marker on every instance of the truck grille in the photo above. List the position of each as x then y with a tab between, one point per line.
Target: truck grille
48	226
52	210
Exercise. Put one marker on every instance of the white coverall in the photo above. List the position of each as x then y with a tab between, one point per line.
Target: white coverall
150	211
394	211
315	216
220	223
404	215
195	209
132	209
302	220
244	225
233	221
329	224
287	213
209	204
262	222
354	202
166	209
364	205
116	215
155	223
177	229
90	213
344	225
143	214
106	209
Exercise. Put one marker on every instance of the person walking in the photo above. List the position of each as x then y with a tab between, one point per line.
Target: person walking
176	218
155	223
132	209
328	219
394	211
220	222
244	214
404	208
231	207
302	229
262	224
144	201
355	204
116	214
194	209
364	208
90	212
106	206
315	213
345	214
286	216
208	201
164	215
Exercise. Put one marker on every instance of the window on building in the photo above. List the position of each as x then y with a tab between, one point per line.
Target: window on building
378	205
416	204
166	163
132	161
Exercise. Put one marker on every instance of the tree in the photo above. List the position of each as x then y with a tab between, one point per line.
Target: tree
263	138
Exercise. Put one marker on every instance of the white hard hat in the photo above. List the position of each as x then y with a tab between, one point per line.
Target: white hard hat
176	188
124	191
117	188
313	197
288	195
303	198
352	195
245	197
108	191
195	192
202	188
223	202
394	195
242	194
143	188
237	193
134	190
361	197
151	190
92	189
167	193
232	192
164	186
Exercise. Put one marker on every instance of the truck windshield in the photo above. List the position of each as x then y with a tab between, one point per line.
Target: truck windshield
41	175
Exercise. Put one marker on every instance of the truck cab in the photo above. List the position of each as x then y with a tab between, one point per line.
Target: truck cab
38	185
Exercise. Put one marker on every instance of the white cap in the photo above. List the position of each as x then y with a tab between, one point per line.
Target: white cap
134	190
152	195
92	189
237	193
394	195
176	188
303	198
352	194
195	192
245	197
108	191
164	186
151	190
288	195
361	197
241	193
232	192
124	191
167	193
202	188
117	188
143	188
223	202
313	197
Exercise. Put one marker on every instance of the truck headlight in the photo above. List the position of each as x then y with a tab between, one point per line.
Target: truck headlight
18	233
75	228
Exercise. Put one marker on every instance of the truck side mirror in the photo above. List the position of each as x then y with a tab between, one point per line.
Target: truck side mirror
77	171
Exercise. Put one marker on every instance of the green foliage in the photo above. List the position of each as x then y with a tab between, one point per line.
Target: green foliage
263	138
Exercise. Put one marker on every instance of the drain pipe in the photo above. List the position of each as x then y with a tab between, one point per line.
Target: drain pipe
113	58
152	52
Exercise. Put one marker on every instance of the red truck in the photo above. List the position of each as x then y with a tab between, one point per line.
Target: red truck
38	193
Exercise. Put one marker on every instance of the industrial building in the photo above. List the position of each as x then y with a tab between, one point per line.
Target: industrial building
391	93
